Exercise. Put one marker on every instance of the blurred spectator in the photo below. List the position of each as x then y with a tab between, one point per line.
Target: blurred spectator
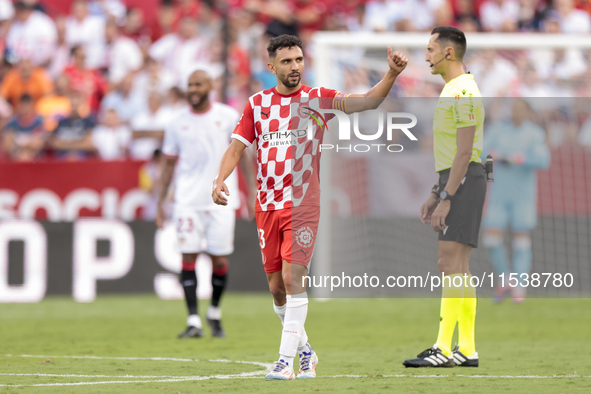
465	16
382	15
25	79
497	76
499	15
311	15
420	14
61	54
107	9
186	9
32	34
122	54
56	105
34	4
532	85
6	10
153	78
24	136
87	30
149	177
175	99
136	29
163	24
111	139
178	52
209	23
72	139
89	83
570	19
530	17
121	100
148	128
238	63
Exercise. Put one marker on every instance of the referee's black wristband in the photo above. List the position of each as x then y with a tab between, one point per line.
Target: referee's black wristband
435	190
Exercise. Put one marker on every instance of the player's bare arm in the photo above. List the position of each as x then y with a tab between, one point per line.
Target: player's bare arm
459	167
376	95
229	162
168	164
247	166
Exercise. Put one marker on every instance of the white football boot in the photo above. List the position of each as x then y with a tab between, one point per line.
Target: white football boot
280	371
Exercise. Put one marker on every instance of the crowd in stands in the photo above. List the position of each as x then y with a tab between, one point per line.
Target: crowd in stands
103	82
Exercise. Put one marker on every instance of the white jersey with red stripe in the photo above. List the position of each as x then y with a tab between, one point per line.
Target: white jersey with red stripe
199	140
288	154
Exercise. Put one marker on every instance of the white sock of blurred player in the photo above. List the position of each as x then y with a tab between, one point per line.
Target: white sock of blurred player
293	326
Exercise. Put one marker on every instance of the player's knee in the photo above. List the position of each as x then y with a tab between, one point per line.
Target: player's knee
449	262
521	242
220	264
443	264
189	262
277	292
491	240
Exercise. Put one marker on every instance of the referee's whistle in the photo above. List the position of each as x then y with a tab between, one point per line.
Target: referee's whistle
488	168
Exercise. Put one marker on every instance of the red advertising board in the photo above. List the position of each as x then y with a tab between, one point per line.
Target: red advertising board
63	191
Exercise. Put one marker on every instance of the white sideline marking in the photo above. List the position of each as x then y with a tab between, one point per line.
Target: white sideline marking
460	376
148	379
243	375
109	358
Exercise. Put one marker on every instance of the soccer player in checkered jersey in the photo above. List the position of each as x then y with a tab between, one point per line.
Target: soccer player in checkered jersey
288	200
197	138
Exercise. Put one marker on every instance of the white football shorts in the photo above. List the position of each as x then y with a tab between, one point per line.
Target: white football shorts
211	232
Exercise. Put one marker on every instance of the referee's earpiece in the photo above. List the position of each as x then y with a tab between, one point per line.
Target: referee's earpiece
447	56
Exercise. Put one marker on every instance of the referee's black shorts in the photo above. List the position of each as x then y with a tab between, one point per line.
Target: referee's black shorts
465	214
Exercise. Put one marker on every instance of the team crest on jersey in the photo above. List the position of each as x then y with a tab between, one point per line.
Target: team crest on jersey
307	112
304	237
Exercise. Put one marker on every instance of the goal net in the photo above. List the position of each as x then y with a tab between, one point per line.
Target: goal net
370	200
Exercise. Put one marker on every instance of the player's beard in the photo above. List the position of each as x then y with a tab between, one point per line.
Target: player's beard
199	103
289	84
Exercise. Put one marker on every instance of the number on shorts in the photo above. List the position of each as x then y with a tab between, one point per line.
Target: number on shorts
189	226
262	238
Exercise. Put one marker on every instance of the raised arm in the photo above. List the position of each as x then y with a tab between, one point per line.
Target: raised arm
228	164
376	95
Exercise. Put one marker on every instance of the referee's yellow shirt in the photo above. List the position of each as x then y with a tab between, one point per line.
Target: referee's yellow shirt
460	105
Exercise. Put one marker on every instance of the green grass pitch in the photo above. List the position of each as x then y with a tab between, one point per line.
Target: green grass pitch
541	346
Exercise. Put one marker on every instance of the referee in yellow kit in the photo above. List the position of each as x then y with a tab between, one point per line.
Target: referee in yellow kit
454	207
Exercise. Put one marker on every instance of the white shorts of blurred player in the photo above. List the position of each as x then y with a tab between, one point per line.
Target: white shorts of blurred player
199	231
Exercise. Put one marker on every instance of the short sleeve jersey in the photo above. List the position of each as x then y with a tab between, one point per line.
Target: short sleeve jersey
460	105
199	141
288	154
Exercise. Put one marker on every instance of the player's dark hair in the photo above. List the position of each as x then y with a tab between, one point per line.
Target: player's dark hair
26	98
75	49
283	41
452	36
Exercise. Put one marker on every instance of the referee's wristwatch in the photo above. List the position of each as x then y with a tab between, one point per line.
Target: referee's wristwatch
446	196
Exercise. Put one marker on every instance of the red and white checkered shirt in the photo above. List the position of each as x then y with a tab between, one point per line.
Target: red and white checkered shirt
288	158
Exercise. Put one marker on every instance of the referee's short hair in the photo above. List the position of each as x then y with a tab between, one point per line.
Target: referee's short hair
452	36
